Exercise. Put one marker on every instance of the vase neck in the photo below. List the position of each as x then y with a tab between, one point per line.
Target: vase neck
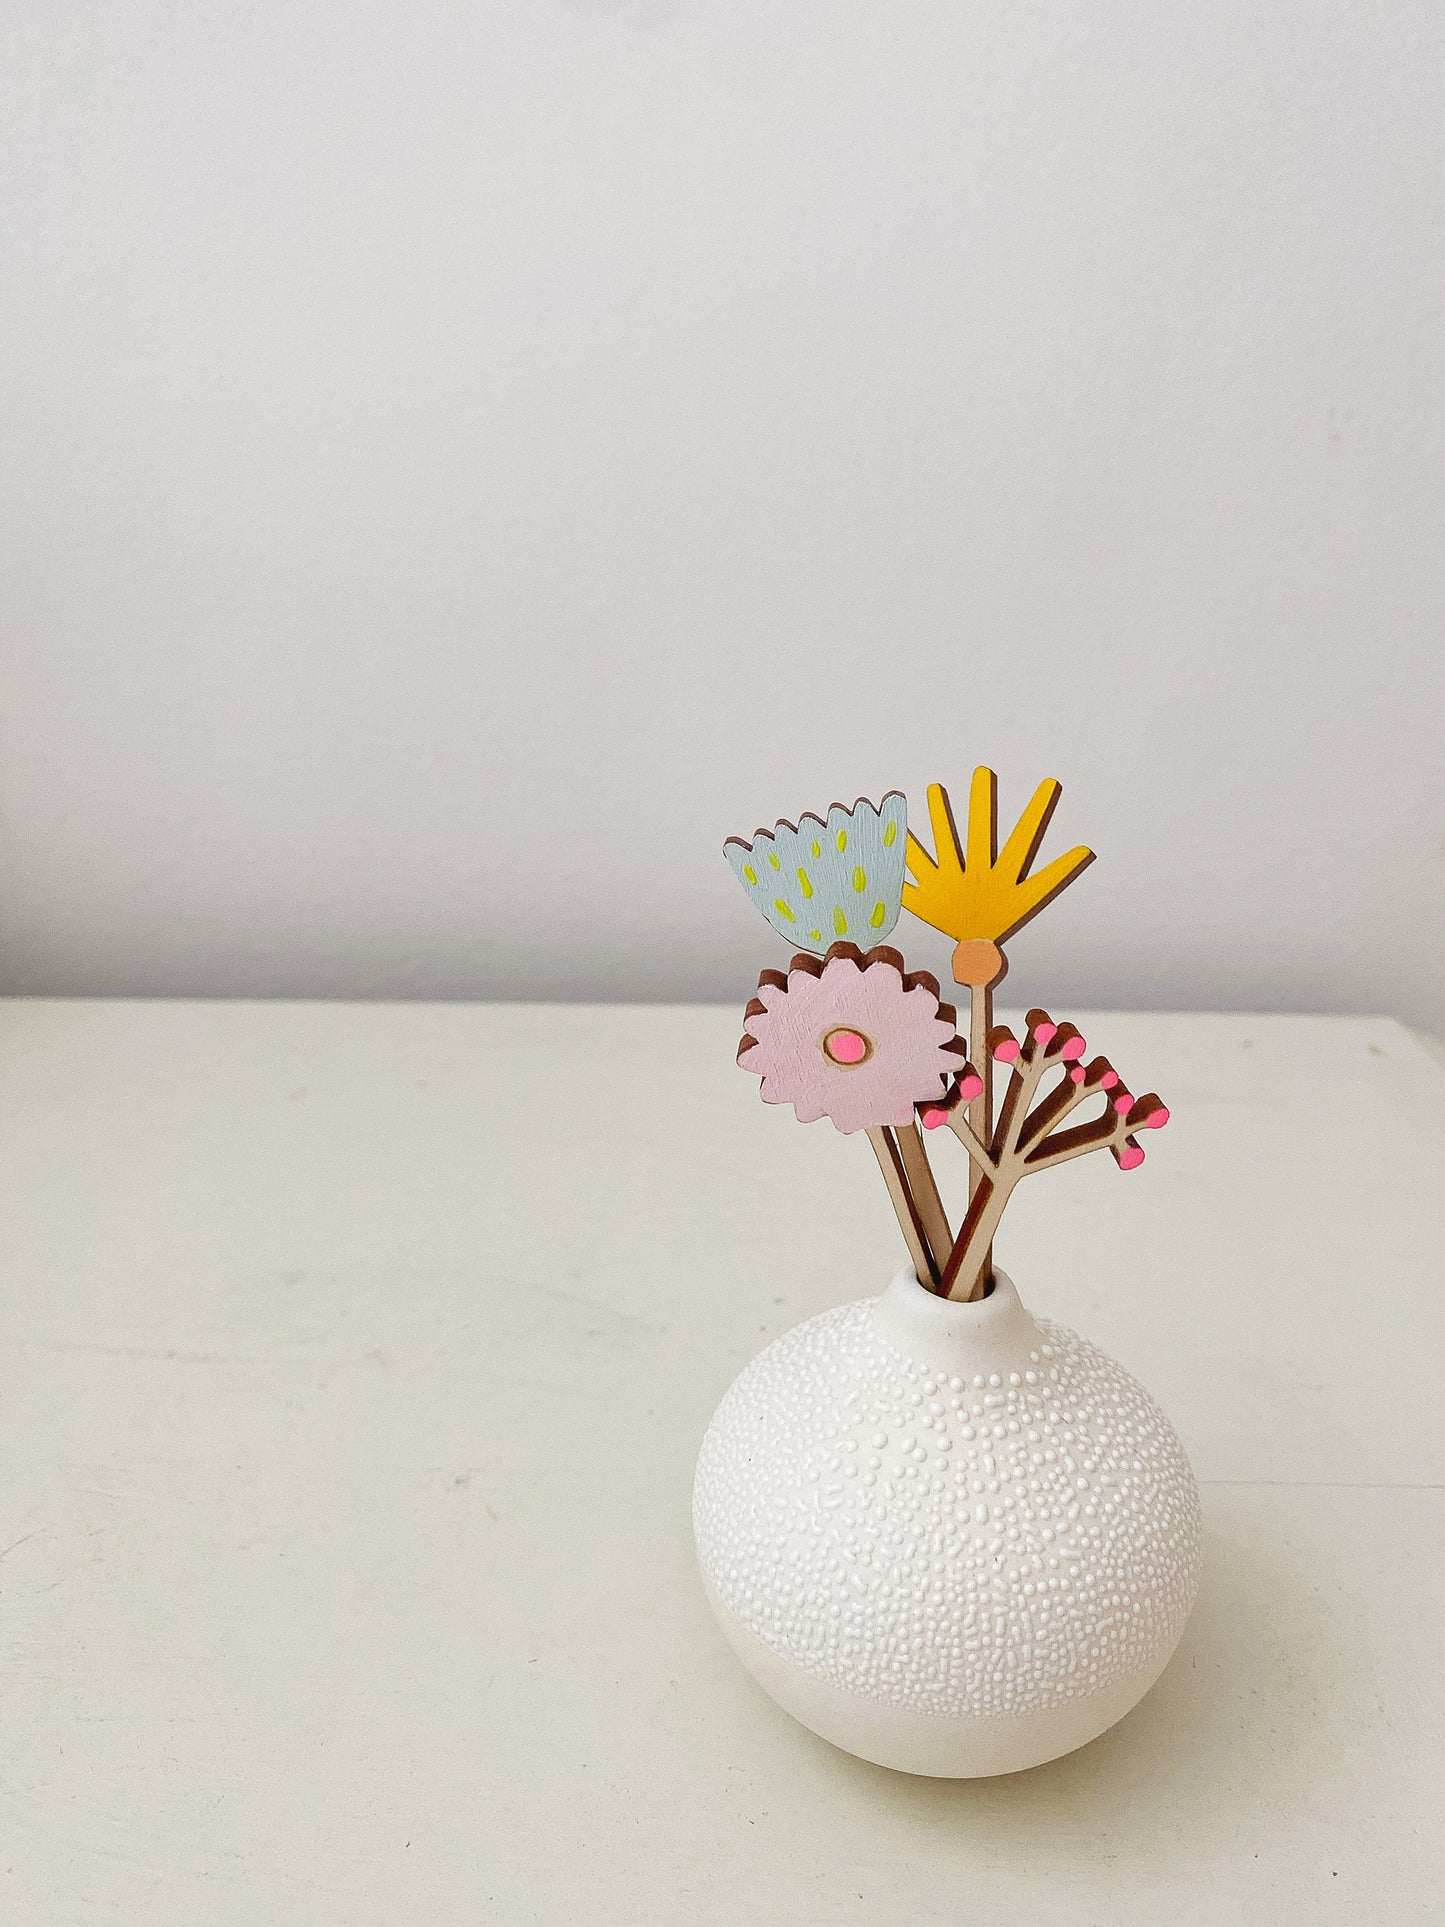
954	1338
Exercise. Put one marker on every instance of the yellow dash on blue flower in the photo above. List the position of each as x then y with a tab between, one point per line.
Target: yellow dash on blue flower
750	873
880	912
890	834
860	880
783	910
803	884
840	923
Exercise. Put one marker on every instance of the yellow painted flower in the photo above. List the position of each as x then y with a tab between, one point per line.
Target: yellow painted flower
973	891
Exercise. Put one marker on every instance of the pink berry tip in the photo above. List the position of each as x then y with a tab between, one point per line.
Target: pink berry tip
1156	1120
1122	1102
1045	1033
1130	1157
1007	1051
1076	1075
970	1087
1108	1080
932	1118
1075	1048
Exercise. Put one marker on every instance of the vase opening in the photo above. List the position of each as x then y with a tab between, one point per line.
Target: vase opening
987	1291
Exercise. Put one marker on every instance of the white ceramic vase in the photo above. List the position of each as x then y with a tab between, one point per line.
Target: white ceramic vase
950	1538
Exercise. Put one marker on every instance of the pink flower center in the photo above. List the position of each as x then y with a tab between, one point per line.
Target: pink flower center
844	1046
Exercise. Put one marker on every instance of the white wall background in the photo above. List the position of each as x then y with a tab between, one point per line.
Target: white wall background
461	460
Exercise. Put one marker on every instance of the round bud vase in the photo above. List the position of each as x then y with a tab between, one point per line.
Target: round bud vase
950	1538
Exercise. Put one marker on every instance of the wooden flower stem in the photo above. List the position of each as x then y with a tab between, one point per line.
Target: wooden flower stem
970	1263
958	1123
975	1237
1108	1129
1024	1075
979	963
927	1204
1025	1138
895	1176
1053	1109
980	1111
1114	1131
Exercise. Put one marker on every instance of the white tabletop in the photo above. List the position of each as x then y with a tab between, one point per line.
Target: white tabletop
355	1361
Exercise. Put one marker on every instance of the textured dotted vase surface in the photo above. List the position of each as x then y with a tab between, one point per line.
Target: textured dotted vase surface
949	1538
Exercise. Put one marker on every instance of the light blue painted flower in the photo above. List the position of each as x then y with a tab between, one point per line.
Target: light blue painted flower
824	882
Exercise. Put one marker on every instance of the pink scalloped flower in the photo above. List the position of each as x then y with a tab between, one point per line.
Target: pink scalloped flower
856	1040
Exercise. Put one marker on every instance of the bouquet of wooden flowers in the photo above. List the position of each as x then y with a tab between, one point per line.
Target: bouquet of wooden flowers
850	1033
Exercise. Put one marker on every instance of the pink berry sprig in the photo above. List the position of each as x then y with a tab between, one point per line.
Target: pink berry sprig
1050	1078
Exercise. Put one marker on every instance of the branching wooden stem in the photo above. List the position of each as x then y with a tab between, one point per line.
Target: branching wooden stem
979	1154
1026	1137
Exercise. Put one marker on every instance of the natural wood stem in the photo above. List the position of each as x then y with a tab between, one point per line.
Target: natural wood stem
965	1276
1024	1139
1108	1129
927	1204
958	1123
980	1111
890	1163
